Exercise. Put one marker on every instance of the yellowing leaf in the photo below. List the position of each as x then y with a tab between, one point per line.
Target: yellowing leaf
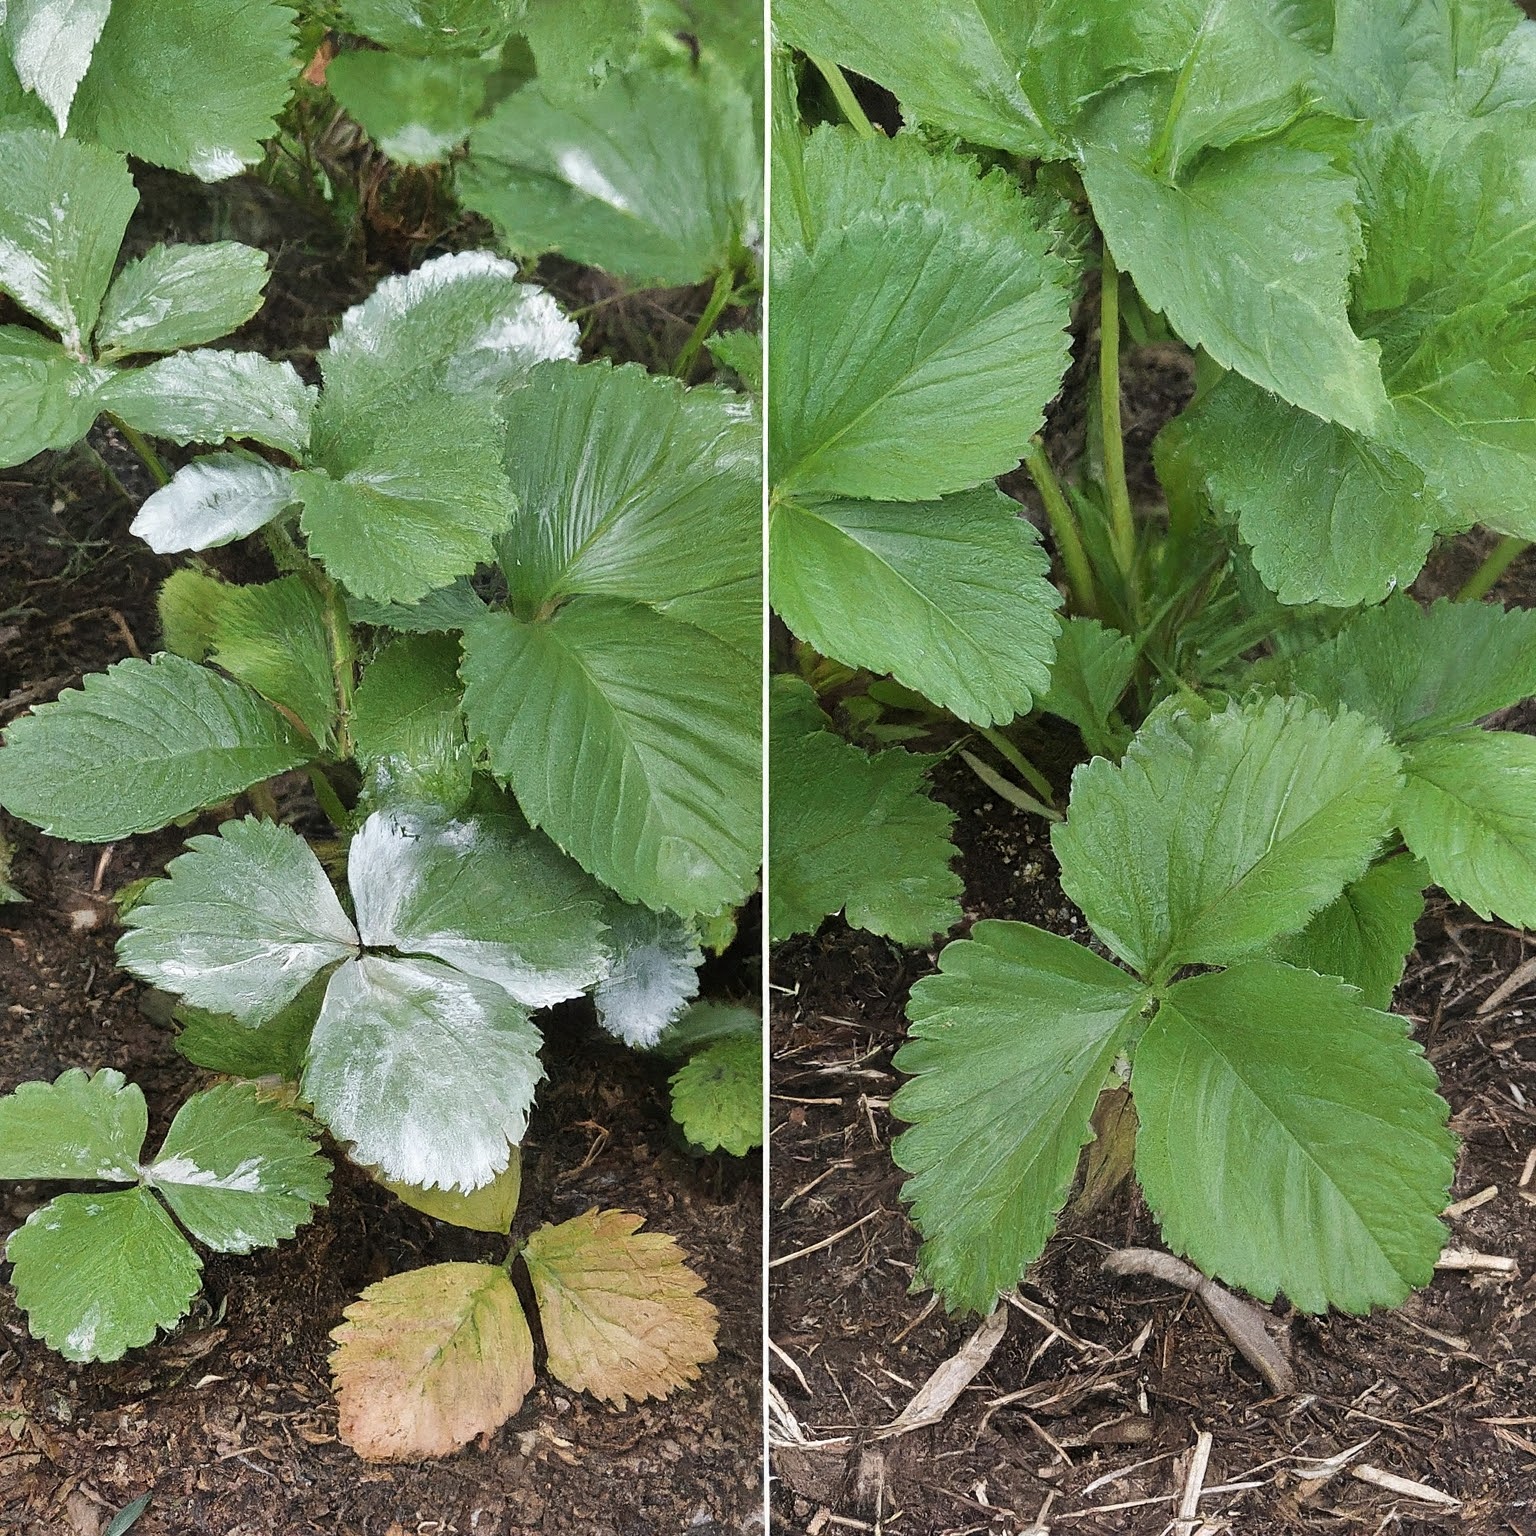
487	1209
621	1311
428	1360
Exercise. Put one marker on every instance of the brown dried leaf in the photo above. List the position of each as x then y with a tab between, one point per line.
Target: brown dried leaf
428	1360
621	1311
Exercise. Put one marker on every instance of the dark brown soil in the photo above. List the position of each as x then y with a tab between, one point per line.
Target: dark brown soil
228	1423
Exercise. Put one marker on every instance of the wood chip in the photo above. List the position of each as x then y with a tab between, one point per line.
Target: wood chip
1403	1487
1467	1258
942	1389
1471	1203
1194	1484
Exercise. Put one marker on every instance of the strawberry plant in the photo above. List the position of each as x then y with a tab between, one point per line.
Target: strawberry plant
1323	208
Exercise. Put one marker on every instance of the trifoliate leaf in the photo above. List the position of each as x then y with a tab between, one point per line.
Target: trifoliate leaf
195	85
414	110
208	396
654	176
213	501
575	49
1010	1046
187	606
717	1096
1366	935
222	1043
630	485
653	974
428	1360
137	746
180	296
51	42
48	399
1214	836
1425	671
1249	257
430	27
241	923
1093	668
856	834
1469	811
1291	1139
704	1024
914	351
429	1073
454	606
407	727
65	209
80	1126
459	324
632	740
620	1309
488	1209
97	1275
407	496
953	596
492	899
238	1171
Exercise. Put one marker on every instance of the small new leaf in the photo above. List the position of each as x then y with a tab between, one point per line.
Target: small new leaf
213	501
717	1096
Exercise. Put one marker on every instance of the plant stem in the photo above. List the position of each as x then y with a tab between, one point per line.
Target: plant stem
140	445
330	801
343	661
1069	542
847	102
1501	557
720	296
1122	529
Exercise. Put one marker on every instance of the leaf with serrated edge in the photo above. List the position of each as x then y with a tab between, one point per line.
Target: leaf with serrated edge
48	399
428	1360
1010	1046
51	44
1291	1139
632	740
180	296
705	1023
213	501
1214	836
79	1126
137	746
241	924
653	976
1092	669
415	110
98	1275
428	1072
717	1096
239	1172
490	898
487	1209
620	1309
222	1043
953	599
430	27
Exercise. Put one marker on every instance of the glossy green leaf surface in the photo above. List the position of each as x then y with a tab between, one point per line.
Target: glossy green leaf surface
48	399
415	110
407	726
180	296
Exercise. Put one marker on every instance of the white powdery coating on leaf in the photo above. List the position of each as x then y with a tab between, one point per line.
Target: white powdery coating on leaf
581	170
82	1337
213	501
215	163
366	324
246	1179
51	47
654	975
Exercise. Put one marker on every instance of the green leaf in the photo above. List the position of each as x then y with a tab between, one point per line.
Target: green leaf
1093	668
632	740
493	900
97	1275
1425	671
654	176
137	746
704	1024
414	110
741	352
180	296
273	636
630	485
914	349
1010	1046
239	1172
429	27
429	1073
187	606
222	1043
1291	1139
1469	811
460	325
407	727
454	606
855	834
48	399
212	501
1249	257
950	598
241	924
57	264
51	42
80	1126
717	1096
195	85
490	1208
208	396
653	976
578	48
1331	517
408	500
1366	935
1216	835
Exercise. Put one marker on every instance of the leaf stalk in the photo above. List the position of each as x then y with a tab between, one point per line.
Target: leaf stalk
1064	529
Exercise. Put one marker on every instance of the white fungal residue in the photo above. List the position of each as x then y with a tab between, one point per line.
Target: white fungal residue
82	1337
580	169
216	164
245	1179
